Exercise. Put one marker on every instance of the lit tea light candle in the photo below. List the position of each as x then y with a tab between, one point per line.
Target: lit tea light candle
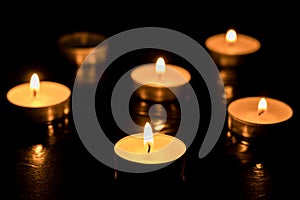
149	148
40	101
231	48
158	80
252	117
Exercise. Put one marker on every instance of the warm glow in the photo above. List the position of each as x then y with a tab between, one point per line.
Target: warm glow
231	36
262	106
148	137
38	155
34	83
38	149
160	66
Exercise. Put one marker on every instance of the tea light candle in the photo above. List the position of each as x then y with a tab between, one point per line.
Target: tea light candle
40	101
157	78
231	48
149	148
252	117
76	46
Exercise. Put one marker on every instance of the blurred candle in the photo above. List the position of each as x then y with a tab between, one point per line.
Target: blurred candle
40	101
252	117
149	148
231	48
156	81
76	46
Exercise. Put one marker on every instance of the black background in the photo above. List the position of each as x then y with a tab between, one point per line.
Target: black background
29	35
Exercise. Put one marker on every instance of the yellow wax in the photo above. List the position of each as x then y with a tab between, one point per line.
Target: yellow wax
245	109
49	94
165	149
174	76
242	46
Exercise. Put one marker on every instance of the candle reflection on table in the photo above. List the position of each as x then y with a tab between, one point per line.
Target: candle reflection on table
40	161
34	172
164	117
255	178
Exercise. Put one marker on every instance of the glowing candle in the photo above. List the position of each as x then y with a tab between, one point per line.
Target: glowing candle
40	101
251	117
231	48
149	148
156	79
76	46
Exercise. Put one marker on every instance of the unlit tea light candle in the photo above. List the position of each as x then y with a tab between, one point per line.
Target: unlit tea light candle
231	48
155	79
252	117
149	148
40	101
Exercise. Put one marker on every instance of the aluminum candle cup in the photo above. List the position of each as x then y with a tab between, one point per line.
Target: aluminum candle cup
255	117
42	101
231	48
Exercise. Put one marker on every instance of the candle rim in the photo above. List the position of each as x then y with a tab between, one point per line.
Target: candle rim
141	137
254	101
210	41
184	73
125	154
66	98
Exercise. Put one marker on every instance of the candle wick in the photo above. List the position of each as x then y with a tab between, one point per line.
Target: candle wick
261	112
159	76
34	93
230	43
149	148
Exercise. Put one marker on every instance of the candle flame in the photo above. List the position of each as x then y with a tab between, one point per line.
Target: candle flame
262	106
231	36
160	67
34	83
148	137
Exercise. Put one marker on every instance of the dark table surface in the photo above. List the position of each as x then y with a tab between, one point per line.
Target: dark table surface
49	161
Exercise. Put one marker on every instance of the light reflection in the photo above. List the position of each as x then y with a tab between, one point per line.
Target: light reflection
32	170
158	116
229	92
256	183
38	155
241	149
164	117
255	177
51	135
229	78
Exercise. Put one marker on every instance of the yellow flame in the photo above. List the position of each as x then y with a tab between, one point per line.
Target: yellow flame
160	66
148	137
35	82
262	105
231	36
